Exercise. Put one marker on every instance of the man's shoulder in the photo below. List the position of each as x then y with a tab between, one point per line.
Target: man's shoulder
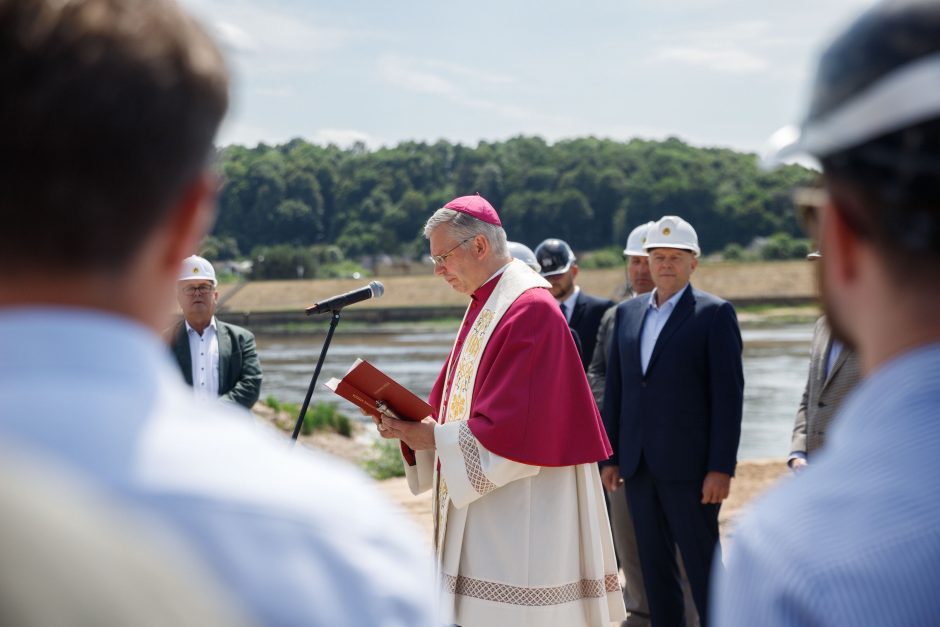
705	299
217	457
174	332
632	305
215	473
535	297
233	328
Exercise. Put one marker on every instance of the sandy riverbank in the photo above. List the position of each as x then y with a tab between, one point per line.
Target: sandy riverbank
753	477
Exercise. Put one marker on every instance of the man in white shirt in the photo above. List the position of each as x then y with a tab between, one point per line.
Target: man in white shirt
109	114
217	358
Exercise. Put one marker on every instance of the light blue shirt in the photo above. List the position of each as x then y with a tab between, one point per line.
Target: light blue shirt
295	537
656	318
855	538
835	348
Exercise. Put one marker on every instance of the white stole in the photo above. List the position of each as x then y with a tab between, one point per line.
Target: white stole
517	279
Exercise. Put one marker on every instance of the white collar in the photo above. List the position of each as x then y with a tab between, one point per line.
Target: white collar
211	325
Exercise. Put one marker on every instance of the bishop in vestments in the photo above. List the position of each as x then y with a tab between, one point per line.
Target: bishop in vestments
521	530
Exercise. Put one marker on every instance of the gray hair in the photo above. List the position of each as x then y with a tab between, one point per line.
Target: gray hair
464	227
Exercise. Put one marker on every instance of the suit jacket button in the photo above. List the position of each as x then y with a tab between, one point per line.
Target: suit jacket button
643	384
822	404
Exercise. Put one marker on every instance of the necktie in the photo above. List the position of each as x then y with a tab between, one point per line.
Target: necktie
564	311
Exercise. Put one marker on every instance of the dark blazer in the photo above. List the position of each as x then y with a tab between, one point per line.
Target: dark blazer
239	368
823	394
684	414
585	318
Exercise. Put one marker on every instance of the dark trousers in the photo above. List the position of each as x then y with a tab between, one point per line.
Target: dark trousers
667	514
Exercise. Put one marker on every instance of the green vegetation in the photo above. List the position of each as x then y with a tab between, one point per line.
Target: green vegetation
272	402
777	247
320	417
283	261
610	257
325	417
385	461
299	205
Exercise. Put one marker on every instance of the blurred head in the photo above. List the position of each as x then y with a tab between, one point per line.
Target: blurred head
466	250
638	269
524	254
874	125
558	265
108	111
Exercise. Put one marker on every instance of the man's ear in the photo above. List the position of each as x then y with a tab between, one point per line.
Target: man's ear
191	219
839	243
480	246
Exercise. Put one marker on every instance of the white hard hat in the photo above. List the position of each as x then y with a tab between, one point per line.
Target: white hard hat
636	239
524	254
672	232
196	268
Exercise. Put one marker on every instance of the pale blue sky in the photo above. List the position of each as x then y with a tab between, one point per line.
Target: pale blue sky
713	72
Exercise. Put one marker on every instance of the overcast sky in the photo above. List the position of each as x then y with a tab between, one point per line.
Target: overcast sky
713	72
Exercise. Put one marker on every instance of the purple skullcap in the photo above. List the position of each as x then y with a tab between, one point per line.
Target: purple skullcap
475	206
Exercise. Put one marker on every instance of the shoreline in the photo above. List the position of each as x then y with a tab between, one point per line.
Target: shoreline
752	478
424	298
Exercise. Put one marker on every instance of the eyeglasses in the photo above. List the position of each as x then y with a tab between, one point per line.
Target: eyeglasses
202	290
440	260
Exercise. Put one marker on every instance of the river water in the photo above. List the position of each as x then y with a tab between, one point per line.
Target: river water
775	366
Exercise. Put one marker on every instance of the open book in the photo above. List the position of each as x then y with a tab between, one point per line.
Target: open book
365	385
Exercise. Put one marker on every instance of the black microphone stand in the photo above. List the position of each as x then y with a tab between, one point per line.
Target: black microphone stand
316	374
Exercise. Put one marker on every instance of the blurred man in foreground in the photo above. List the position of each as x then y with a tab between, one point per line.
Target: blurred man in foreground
108	113
853	539
521	532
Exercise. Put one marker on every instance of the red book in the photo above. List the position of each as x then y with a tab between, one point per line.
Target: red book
365	385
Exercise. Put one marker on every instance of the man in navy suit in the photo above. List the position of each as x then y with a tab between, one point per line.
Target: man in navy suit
672	408
583	311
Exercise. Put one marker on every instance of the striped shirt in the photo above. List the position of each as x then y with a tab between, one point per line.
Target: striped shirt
855	539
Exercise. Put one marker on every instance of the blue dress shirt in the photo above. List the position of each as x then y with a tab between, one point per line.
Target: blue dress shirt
295	537
854	539
656	318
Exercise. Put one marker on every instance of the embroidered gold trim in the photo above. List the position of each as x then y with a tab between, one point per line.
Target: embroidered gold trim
530	597
458	401
471	460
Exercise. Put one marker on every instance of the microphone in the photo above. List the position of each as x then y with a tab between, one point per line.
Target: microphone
373	290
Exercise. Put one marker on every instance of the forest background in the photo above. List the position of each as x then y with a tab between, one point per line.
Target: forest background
301	210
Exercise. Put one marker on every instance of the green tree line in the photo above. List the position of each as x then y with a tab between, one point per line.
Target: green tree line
588	191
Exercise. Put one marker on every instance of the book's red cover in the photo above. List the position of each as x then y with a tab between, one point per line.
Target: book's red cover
365	384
